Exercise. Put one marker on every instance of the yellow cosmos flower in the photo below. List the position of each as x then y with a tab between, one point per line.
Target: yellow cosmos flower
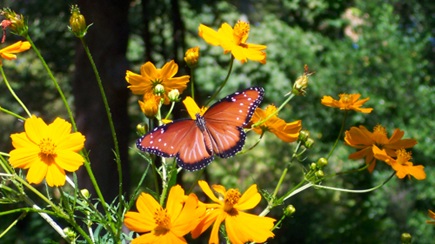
150	77
47	150
364	140
17	47
401	164
192	108
165	225
150	105
287	132
234	41
229	208
347	102
432	216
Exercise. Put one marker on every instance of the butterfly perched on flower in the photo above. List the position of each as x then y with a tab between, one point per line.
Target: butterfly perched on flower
219	131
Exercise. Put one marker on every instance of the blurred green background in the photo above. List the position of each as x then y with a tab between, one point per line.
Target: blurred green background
384	50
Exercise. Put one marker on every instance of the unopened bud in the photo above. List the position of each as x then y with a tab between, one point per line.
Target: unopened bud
174	95
71	235
141	129
301	83
85	192
159	89
319	174
322	162
406	238
304	135
191	57
77	22
289	210
309	143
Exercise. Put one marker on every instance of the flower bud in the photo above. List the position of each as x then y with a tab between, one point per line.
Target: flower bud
174	95
85	193
77	22
159	89
309	143
319	174
289	210
313	166
406	238
322	162
71	235
304	135
17	22
191	57
141	129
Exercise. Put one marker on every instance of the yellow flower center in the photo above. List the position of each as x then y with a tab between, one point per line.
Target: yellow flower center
346	99
380	135
403	156
163	221
232	197
241	31
47	147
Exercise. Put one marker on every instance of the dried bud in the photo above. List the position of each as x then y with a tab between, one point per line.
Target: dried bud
301	83
77	22
191	57
17	22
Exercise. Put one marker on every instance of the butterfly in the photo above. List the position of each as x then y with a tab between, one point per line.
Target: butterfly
218	132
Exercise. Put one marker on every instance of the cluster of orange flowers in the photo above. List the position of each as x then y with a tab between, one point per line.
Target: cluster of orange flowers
376	145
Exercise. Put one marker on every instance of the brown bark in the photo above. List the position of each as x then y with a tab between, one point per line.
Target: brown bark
107	40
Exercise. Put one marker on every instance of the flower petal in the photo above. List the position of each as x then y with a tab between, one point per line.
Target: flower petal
69	160
209	35
249	199
24	157
55	175
37	172
35	128
246	227
207	190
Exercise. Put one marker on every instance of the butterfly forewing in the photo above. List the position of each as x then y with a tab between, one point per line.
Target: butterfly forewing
165	140
225	119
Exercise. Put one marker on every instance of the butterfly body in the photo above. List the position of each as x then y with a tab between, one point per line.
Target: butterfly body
218	132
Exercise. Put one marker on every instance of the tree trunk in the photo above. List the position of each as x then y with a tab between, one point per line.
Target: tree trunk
107	40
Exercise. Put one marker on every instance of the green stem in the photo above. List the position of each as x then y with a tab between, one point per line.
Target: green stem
6	111
339	134
274	113
55	83
223	83
113	132
13	93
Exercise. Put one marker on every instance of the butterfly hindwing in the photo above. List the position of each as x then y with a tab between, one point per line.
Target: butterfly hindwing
226	118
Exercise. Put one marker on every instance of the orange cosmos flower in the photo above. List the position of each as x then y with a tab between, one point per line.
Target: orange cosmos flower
47	150
150	77
234	41
401	165
287	132
364	140
229	207
164	225
432	216
347	102
150	104
18	47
